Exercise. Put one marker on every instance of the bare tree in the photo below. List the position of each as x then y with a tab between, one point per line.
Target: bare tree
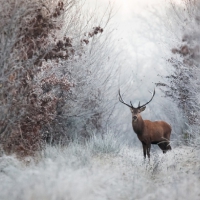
184	83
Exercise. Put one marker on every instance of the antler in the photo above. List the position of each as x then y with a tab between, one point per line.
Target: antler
122	101
131	106
148	101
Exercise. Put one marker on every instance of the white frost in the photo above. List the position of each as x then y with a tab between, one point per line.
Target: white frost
78	172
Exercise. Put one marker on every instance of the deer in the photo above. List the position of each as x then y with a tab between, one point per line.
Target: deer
149	132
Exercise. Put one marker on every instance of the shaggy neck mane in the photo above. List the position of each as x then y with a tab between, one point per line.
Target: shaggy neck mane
138	126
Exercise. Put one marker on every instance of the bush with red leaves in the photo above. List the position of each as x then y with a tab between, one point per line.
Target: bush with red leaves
36	80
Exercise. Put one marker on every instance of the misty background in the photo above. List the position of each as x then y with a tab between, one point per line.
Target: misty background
63	132
143	35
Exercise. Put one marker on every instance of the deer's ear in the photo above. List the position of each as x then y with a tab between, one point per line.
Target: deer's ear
142	109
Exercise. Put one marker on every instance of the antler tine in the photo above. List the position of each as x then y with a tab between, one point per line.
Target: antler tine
131	104
149	100
122	101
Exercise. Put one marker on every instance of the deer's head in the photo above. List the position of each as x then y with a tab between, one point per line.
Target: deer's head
135	111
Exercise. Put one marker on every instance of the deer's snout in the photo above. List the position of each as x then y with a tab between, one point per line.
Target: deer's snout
134	118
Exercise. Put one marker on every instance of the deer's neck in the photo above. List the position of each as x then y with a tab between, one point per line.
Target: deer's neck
138	126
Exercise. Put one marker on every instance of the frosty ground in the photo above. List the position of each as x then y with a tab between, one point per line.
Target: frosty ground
101	169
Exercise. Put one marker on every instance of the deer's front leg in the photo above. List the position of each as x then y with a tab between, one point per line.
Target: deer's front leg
148	150
144	149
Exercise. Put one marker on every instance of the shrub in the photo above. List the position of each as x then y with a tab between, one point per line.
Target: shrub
43	72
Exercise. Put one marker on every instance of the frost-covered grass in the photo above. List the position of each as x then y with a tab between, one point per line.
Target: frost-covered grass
101	169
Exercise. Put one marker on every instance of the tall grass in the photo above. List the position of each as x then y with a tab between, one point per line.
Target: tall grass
108	143
103	169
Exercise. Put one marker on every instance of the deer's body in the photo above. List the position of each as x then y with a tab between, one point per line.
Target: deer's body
148	132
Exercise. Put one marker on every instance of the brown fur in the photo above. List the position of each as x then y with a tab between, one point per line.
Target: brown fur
148	132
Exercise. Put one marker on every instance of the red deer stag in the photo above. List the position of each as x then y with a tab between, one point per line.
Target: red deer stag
148	132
